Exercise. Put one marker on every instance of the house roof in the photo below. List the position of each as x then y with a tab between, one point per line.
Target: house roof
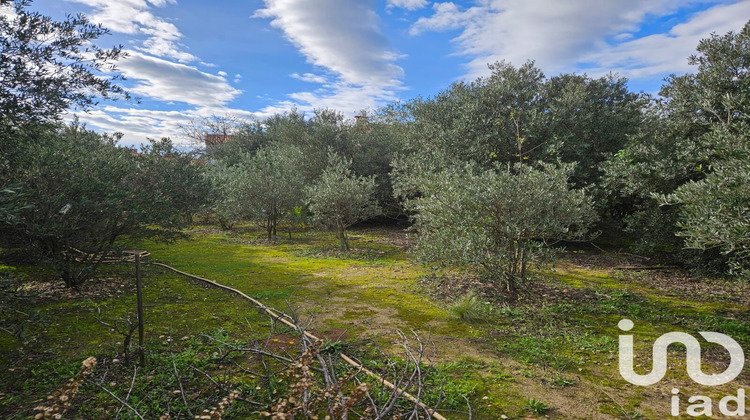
214	139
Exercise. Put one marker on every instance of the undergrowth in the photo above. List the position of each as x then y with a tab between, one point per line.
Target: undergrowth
557	339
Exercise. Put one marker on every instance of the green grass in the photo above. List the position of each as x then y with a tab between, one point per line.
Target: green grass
538	407
539	349
467	308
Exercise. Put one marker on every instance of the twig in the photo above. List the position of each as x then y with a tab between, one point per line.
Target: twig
246	370
127	397
250	350
644	267
625	412
179	381
468	404
117	398
289	321
218	385
634	255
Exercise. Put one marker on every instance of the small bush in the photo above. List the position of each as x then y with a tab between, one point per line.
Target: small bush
468	308
539	407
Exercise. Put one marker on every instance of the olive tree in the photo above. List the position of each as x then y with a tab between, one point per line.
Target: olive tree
588	121
714	212
700	128
478	121
226	203
76	185
497	221
268	184
78	193
339	198
47	66
178	176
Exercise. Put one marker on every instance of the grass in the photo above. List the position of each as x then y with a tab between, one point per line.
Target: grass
543	348
467	308
66	332
538	407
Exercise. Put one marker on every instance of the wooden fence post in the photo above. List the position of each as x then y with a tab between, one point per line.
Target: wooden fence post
139	293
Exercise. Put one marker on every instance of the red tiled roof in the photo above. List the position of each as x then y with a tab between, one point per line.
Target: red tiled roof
213	139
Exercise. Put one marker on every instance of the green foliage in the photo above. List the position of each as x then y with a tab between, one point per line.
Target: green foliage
369	144
479	121
517	115
467	308
589	120
338	199
41	79
263	187
374	143
498	221
560	381
694	151
539	407
9	206
226	204
177	179
79	192
715	211
717	93
246	137
654	161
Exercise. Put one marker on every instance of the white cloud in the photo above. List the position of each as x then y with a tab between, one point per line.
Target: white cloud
407	4
151	72
560	35
344	38
168	81
667	53
341	35
447	16
134	18
137	124
343	97
623	36
308	77
162	3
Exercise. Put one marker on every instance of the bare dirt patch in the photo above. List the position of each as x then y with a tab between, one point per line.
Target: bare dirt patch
679	283
95	289
390	236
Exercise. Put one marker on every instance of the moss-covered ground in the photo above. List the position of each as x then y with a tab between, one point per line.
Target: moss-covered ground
550	353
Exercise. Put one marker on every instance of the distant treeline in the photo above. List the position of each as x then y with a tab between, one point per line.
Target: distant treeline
491	173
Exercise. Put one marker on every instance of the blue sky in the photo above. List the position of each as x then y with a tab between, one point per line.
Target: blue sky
194	58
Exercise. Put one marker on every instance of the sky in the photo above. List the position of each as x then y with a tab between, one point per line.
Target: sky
189	59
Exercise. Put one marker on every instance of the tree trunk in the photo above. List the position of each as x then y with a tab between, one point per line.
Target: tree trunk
343	242
225	224
275	219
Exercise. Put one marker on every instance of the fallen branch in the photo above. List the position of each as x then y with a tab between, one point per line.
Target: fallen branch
132	383
644	267
179	381
223	388
290	322
117	398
